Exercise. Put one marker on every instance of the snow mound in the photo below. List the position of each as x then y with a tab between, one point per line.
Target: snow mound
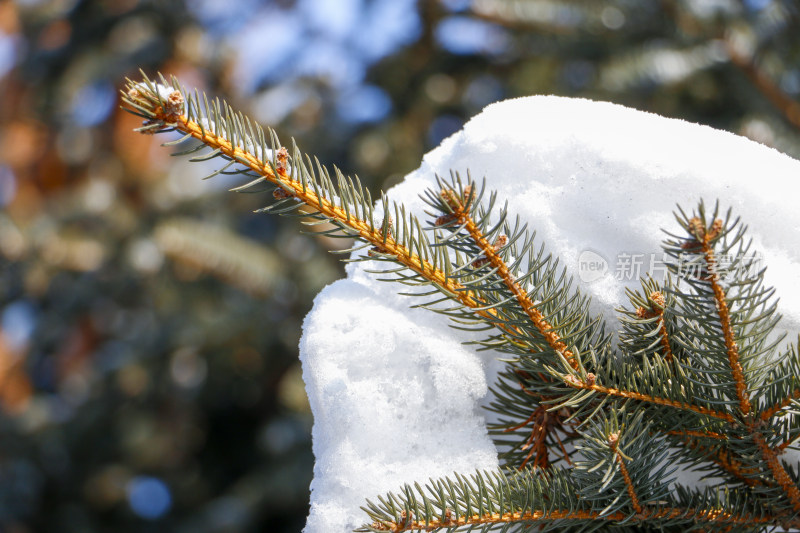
395	395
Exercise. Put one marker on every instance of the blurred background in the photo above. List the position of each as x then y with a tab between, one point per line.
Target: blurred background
149	320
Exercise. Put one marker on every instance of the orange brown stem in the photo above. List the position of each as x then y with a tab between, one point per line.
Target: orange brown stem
725	320
491	256
657	309
611	391
713	516
770	456
771	411
544	423
778	471
698	434
364	229
725	460
613	440
367	231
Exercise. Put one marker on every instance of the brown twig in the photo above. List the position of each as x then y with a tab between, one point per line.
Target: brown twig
385	242
697	227
491	256
698	434
632	395
705	238
613	441
777	469
725	460
768	413
657	303
781	448
544	423
715	516
369	232
460	212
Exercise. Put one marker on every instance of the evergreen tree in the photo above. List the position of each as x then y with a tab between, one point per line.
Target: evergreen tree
590	426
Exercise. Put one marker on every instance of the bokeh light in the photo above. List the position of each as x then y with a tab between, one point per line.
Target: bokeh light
149	497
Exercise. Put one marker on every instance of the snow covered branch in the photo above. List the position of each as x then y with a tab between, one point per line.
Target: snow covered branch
586	428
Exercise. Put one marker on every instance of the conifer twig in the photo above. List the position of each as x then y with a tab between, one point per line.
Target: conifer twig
698	434
613	441
572	381
785	444
657	303
460	211
776	467
725	460
769	412
162	114
713	517
705	237
543	424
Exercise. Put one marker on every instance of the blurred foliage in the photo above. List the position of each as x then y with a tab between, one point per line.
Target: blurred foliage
149	322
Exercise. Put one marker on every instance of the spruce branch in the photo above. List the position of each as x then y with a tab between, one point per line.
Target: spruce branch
461	214
588	426
734	335
246	150
724	321
235	140
704	236
553	499
613	441
486	242
614	392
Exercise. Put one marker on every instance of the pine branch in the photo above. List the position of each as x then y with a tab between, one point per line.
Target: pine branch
460	206
245	150
589	385
615	483
705	235
736	334
613	440
549	499
460	213
696	367
698	434
785	481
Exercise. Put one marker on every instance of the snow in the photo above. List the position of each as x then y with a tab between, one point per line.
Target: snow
397	398
163	91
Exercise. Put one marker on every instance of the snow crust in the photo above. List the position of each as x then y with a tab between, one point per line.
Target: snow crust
395	395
